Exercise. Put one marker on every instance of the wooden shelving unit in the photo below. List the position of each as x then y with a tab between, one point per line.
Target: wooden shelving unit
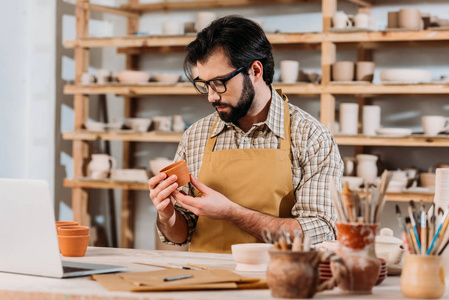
132	46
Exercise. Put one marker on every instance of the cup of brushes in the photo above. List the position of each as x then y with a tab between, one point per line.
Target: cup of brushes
426	236
358	218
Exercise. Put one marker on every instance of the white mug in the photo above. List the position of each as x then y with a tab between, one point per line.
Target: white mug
362	20
432	125
349	118
370	119
289	71
341	20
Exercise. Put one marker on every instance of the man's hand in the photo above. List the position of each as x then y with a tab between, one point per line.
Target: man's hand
211	204
161	189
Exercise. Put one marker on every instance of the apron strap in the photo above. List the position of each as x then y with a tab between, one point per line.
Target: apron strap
284	143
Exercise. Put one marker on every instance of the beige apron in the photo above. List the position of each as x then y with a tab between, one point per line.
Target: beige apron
258	179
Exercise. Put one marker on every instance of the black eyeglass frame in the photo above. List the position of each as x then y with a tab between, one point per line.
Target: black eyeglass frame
223	81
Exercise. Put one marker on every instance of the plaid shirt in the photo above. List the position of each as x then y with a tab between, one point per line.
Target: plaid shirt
315	160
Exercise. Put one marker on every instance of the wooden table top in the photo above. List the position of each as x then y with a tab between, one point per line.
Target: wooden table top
15	286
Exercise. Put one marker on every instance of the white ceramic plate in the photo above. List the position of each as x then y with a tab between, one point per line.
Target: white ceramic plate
393	132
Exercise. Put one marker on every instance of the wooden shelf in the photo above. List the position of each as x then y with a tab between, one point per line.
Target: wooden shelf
155	41
151	136
411	141
386	89
139	186
387	36
184	89
105	184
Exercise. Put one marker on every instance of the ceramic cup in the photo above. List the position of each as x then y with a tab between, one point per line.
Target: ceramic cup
343	71
393	17
349	166
364	71
203	19
179	169
426	20
87	78
189	27
341	20
289	71
410	18
427	180
73	246
171	28
349	118
422	277
356	248
103	76
367	166
362	20
432	125
295	274
370	119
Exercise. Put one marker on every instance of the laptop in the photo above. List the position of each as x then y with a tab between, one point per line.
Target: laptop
28	238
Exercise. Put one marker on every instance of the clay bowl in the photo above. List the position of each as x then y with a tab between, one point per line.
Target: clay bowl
133	77
73	230
65	223
179	169
251	257
73	246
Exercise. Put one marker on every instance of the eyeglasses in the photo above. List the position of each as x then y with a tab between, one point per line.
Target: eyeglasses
218	85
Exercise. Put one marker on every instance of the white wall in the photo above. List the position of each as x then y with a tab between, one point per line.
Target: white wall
27	89
396	111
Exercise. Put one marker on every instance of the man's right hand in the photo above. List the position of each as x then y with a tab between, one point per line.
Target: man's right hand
161	188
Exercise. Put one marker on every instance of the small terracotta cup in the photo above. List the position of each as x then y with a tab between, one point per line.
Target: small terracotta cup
73	230
179	169
65	223
73	246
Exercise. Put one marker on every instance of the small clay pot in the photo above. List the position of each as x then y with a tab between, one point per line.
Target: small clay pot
179	169
66	223
73	230
73	246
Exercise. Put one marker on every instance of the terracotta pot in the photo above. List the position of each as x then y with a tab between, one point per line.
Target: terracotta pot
357	249
73	230
179	169
422	277
73	246
295	274
65	223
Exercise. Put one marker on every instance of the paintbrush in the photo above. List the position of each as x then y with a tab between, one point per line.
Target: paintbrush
337	202
385	181
423	229
348	198
414	226
402	228
441	227
413	244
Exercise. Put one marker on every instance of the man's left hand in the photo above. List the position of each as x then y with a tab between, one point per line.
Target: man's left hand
211	204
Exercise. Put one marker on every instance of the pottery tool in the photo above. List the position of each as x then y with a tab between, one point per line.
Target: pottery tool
348	198
423	230
177	277
413	222
337	202
413	244
405	238
198	266
374	210
444	247
443	224
385	179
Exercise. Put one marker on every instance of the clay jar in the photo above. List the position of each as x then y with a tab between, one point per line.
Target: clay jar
73	240
179	169
295	274
422	277
356	248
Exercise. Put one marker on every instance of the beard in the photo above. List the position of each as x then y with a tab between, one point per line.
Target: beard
244	104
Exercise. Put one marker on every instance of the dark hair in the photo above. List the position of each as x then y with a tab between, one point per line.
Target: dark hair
242	40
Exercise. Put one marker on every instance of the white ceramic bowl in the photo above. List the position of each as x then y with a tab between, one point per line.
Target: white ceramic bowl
251	257
353	182
157	164
166	78
405	75
129	175
133	77
140	124
94	126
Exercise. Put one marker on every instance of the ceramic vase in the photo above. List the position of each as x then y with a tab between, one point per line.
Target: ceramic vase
367	167
100	166
295	274
422	277
357	249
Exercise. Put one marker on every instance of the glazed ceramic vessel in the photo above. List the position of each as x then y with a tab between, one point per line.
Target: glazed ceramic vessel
179	169
295	274
73	246
422	277
356	246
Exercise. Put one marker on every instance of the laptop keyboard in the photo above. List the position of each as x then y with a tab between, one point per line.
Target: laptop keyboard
73	269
